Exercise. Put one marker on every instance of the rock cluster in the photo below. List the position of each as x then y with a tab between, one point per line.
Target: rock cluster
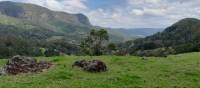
21	64
91	66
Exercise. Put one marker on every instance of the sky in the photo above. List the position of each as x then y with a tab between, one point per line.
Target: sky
126	13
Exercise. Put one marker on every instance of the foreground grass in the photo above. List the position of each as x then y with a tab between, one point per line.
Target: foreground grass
179	71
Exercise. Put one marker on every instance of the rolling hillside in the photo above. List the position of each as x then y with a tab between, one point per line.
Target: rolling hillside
181	37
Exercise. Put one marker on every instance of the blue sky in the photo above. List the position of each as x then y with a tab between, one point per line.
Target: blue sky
105	4
126	13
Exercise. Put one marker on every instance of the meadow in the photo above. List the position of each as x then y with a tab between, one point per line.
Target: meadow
175	71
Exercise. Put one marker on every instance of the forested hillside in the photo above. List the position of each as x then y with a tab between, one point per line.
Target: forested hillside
181	37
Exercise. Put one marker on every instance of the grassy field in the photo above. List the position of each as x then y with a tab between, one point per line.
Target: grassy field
177	71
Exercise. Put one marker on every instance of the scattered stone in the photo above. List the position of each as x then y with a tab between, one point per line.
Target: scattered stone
21	64
91	66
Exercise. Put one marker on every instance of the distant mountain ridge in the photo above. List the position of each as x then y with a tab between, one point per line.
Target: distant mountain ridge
134	33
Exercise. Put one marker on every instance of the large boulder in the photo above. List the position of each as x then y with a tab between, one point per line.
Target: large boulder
21	64
91	66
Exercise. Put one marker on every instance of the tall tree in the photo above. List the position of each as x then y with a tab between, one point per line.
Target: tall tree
94	43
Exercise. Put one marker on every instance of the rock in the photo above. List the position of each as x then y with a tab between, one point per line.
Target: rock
21	60
91	66
21	64
3	71
44	65
80	63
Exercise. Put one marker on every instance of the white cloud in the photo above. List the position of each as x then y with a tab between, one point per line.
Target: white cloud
162	13
137	12
158	12
71	6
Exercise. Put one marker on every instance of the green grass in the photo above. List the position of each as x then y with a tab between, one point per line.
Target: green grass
177	71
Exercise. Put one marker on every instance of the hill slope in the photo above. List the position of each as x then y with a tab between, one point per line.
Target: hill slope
183	36
26	29
29	16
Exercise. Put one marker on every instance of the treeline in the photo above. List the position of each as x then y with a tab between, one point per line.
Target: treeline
32	42
36	42
12	45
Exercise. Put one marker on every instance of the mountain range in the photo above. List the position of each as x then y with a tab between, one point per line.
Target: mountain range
134	33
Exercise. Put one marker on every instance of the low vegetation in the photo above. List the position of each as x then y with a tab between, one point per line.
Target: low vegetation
176	71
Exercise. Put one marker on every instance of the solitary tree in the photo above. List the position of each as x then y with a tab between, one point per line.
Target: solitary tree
94	43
